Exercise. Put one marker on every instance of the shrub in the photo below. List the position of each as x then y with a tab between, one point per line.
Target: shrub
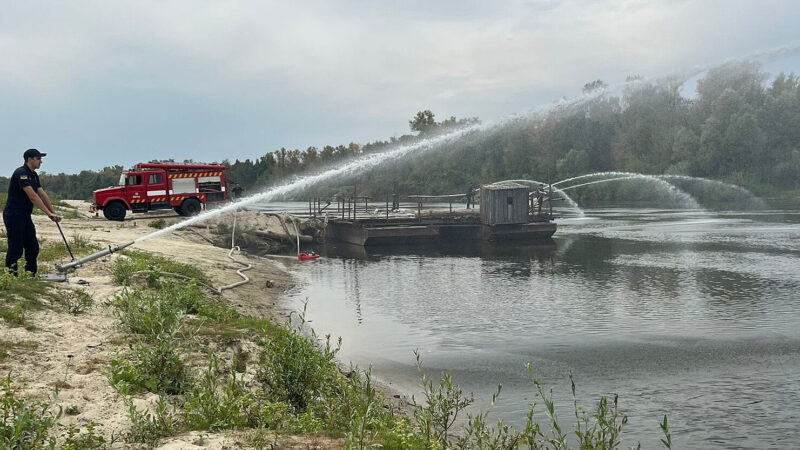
150	314
76	301
83	441
155	366
443	403
147	428
134	261
210	408
157	224
24	424
294	369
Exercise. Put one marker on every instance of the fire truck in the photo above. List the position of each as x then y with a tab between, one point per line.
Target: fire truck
151	186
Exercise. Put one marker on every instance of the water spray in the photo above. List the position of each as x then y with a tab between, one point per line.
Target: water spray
360	164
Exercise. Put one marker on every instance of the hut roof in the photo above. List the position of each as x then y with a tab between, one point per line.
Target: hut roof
503	185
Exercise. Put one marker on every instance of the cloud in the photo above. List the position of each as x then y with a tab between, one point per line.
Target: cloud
272	74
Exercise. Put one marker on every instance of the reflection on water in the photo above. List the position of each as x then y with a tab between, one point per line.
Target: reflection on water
690	314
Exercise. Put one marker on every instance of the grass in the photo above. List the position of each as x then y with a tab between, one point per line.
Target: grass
20	295
125	269
76	301
56	250
23	294
63	208
157	224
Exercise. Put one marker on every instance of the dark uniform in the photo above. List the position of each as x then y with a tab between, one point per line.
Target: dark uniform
17	219
237	191
540	198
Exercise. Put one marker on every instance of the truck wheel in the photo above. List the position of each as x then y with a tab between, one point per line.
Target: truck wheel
177	210
115	211
190	207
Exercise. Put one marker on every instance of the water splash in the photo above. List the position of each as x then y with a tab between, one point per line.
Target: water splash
683	197
363	163
742	196
567	198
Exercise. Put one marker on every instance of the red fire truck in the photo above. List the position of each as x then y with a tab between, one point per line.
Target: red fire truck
150	186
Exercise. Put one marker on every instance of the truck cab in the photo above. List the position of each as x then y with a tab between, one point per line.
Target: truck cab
186	188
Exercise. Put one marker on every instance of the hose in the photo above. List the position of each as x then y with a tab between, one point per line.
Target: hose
297	233
234	247
245	278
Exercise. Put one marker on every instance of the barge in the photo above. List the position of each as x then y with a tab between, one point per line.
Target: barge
505	214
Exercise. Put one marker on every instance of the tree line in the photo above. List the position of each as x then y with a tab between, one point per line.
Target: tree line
738	128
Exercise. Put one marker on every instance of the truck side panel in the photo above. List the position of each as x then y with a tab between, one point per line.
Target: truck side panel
183	186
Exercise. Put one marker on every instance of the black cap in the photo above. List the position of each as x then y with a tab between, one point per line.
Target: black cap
32	153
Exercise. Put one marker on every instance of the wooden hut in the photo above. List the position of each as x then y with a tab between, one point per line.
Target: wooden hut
504	204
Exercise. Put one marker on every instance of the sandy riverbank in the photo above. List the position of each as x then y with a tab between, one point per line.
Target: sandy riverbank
72	350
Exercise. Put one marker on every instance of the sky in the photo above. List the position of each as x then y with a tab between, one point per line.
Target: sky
102	83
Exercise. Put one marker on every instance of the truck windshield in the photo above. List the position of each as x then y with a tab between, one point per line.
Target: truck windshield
121	180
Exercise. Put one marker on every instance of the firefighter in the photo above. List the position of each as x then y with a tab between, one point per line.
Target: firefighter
395	198
237	191
24	192
540	193
470	194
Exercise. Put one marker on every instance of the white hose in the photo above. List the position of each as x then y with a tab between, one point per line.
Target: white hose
245	279
235	247
297	233
233	229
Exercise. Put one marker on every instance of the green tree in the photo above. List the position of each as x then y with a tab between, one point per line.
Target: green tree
424	122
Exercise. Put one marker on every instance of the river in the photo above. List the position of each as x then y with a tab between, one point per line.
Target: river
693	314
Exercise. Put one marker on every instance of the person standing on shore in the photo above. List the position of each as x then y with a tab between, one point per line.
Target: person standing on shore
24	192
237	191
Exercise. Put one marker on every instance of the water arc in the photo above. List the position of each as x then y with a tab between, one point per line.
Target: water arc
683	197
744	197
572	203
710	188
